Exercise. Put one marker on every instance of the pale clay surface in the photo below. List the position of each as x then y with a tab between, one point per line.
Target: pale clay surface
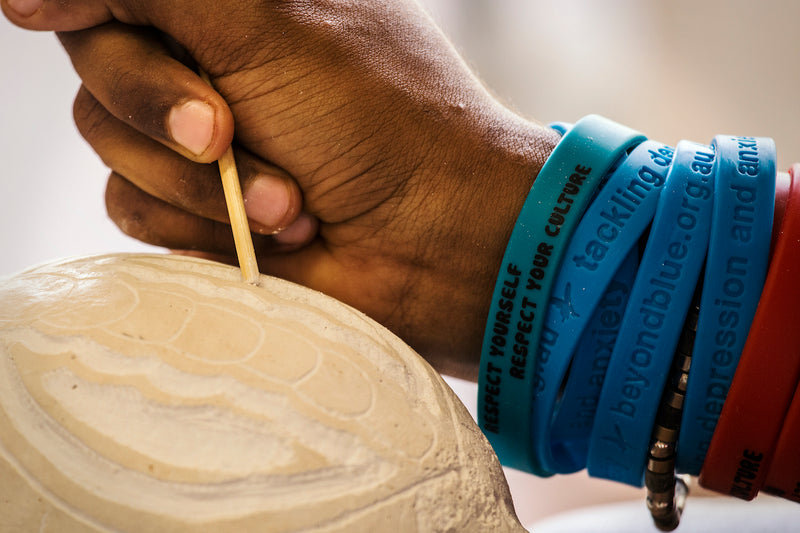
160	393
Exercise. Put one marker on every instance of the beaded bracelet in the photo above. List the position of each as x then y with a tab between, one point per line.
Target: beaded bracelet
555	203
666	493
653	320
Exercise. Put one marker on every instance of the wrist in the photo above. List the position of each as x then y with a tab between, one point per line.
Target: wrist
488	176
499	201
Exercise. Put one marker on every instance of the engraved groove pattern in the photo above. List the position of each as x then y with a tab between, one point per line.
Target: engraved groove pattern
159	392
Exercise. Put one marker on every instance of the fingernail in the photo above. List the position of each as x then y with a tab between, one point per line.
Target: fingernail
25	8
266	202
300	231
192	125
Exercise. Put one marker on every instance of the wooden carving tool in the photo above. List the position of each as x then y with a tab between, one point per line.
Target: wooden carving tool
233	198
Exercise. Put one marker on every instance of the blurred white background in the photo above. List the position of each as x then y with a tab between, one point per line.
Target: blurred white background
673	69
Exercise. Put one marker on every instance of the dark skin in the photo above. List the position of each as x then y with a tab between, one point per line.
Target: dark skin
390	174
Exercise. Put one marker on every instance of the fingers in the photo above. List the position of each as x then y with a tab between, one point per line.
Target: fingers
130	72
272	198
58	15
153	221
55	15
156	222
195	24
131	83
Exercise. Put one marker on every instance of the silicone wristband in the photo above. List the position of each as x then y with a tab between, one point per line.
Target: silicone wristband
654	317
783	476
783	182
738	256
762	388
612	225
555	203
576	408
560	127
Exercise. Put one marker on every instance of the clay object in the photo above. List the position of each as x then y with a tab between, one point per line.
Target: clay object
160	393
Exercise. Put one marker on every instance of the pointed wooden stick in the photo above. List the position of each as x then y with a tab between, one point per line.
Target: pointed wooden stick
233	198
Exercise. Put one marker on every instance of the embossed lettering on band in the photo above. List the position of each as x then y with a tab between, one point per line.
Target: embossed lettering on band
611	226
668	274
573	420
551	212
736	267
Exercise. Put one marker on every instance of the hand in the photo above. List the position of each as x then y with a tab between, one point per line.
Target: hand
357	128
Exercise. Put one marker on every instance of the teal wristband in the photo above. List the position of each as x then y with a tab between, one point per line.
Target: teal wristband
560	127
611	226
736	268
555	204
667	277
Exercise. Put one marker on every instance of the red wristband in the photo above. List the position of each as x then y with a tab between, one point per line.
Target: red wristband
744	440
783	182
783	476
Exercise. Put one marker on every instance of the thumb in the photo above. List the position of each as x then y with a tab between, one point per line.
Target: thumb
54	15
168	16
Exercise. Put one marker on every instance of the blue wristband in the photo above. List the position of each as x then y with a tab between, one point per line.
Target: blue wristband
738	257
611	226
575	412
667	277
555	203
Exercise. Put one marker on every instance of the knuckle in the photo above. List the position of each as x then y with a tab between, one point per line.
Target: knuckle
127	218
87	113
128	209
135	93
91	118
128	11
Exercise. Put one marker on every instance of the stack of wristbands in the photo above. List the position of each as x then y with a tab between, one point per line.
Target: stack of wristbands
642	324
